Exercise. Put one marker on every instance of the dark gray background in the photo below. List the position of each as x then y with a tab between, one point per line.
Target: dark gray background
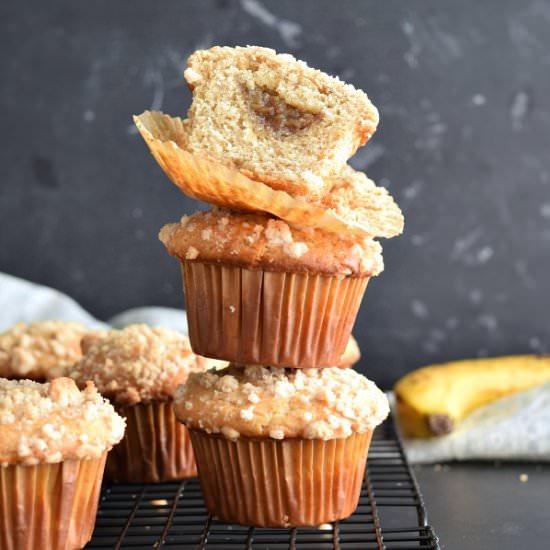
464	94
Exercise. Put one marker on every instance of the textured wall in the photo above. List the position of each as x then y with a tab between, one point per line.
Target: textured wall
464	96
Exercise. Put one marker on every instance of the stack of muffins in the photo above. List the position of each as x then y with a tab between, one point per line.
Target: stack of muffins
273	278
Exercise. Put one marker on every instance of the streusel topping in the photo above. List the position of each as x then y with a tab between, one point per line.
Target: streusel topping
138	364
41	350
47	423
280	403
259	241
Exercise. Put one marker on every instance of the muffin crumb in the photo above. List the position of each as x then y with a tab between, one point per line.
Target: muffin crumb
192	253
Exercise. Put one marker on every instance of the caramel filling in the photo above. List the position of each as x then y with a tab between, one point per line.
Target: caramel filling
278	115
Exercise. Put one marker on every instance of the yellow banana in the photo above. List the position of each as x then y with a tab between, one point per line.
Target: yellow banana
434	399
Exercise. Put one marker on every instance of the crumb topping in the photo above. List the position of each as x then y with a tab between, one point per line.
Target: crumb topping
260	241
280	403
41	350
139	364
351	354
47	423
356	199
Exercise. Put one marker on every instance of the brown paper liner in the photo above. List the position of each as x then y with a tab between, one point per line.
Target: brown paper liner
209	181
49	506
271	483
266	318
155	447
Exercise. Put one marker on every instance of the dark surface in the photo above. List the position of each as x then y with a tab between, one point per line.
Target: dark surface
463	91
483	506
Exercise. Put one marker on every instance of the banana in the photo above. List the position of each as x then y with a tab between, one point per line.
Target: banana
433	400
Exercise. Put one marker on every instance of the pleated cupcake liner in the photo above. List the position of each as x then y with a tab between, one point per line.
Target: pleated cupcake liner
280	483
49	506
269	318
212	182
155	447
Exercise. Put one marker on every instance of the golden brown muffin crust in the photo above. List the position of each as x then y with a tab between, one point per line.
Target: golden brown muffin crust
259	241
42	350
138	364
47	423
280	403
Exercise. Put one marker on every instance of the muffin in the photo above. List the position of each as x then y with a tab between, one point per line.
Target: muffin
259	291
280	447
276	119
40	351
138	369
53	445
265	132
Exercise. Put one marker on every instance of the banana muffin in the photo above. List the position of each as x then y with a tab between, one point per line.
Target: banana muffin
280	447
260	291
138	368
274	118
53	445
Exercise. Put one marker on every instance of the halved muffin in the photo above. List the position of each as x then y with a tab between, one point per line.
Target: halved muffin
274	118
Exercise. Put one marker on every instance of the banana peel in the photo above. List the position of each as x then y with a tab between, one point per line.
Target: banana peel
433	400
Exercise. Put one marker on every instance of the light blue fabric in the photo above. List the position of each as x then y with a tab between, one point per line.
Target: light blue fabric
22	300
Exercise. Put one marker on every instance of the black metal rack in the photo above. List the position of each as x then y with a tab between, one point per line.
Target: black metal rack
390	515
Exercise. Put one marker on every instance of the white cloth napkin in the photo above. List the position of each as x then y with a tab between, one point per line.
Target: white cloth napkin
513	428
516	427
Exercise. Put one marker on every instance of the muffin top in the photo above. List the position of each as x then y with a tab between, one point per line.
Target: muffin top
280	403
46	423
138	364
41	350
260	241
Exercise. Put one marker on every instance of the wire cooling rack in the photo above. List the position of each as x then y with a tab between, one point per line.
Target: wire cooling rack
390	516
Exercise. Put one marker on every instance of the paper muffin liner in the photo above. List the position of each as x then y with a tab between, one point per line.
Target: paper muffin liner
49	506
269	318
280	483
212	182
155	447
